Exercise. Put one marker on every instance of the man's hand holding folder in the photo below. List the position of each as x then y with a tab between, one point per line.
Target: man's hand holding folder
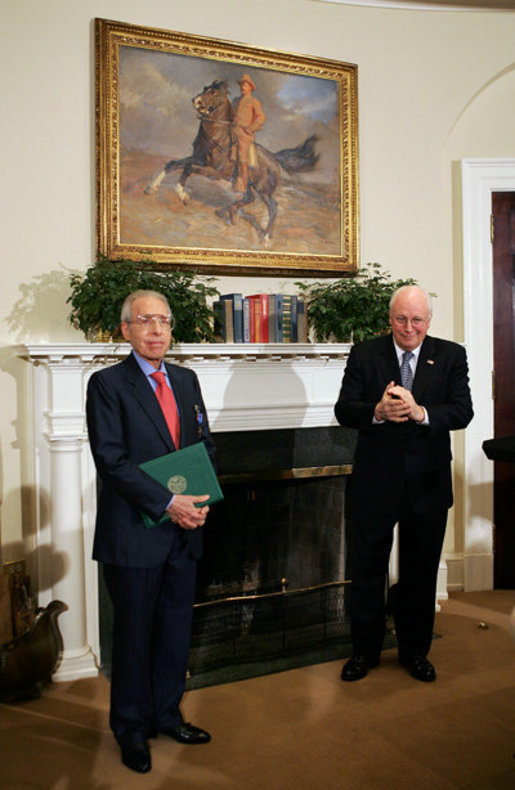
189	475
185	512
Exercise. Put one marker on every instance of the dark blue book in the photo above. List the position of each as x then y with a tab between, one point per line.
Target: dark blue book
237	314
279	304
294	320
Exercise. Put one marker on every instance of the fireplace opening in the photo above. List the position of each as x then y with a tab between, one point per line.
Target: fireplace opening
272	583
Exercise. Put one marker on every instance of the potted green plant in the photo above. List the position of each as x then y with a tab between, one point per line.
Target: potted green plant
352	308
98	294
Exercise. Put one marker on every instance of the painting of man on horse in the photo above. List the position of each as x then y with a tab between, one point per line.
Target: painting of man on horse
239	188
224	149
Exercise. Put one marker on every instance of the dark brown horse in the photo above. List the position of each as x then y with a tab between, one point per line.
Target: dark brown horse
212	158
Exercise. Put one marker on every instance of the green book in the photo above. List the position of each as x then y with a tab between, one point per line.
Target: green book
186	471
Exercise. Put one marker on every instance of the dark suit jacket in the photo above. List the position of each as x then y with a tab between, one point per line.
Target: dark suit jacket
126	427
386	453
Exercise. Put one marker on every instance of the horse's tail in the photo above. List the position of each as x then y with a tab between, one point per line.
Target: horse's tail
300	159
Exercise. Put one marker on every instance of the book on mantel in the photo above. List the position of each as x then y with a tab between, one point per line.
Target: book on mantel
187	471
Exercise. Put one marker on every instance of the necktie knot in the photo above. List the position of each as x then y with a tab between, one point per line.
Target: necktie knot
158	376
406	371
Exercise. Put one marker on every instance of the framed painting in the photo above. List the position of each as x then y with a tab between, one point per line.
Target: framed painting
224	158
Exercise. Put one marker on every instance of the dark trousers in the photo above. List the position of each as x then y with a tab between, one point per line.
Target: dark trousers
153	610
421	538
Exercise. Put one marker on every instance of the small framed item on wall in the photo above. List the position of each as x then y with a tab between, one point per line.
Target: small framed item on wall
222	157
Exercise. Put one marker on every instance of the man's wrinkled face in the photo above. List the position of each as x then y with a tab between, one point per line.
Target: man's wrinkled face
410	319
149	330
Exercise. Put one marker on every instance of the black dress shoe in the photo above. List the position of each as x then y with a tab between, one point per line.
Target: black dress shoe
357	667
136	756
187	733
419	667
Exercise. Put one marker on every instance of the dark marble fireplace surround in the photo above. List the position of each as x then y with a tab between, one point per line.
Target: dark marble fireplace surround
280	523
271	584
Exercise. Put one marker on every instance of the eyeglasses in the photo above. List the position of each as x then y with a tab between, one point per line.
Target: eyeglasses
417	323
149	320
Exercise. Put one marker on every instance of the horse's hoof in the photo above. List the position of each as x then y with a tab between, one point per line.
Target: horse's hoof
150	190
183	195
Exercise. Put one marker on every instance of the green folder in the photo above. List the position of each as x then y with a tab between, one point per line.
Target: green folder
186	471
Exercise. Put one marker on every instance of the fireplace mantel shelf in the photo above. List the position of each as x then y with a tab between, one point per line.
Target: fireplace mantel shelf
112	351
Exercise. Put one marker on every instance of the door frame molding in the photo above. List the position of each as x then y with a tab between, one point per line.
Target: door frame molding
480	177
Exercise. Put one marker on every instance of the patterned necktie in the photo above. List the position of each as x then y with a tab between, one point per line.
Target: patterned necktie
168	405
406	371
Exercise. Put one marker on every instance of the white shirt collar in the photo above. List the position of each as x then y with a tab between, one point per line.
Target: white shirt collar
400	351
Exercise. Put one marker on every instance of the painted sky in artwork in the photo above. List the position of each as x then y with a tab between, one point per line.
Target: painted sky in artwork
157	115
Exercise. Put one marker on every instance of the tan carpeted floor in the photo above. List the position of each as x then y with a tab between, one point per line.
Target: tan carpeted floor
302	729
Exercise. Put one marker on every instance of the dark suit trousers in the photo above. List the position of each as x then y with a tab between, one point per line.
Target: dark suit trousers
153	609
420	544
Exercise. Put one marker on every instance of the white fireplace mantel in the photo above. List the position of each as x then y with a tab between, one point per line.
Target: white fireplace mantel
245	387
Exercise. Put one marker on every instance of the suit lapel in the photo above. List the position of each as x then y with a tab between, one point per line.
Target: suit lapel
426	366
388	361
142	392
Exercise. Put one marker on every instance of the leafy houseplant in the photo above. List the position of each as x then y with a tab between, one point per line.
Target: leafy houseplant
354	308
98	295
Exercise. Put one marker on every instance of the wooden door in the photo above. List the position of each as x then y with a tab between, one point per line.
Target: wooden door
503	211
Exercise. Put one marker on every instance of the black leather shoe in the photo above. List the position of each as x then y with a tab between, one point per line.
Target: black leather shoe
419	668
136	756
187	733
357	667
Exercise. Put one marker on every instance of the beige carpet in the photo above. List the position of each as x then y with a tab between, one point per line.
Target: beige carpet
302	729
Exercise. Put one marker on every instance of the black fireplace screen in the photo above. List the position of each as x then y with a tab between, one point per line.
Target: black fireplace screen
272	584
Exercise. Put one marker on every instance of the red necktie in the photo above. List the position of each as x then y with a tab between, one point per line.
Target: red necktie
168	405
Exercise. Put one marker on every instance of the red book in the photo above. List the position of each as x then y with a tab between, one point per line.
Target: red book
252	319
259	306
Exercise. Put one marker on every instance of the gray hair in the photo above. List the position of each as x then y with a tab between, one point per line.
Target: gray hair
127	305
405	288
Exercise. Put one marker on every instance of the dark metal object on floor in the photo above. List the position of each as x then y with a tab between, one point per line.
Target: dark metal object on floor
29	661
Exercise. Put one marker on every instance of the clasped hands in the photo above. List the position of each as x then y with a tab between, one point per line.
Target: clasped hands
183	511
398	405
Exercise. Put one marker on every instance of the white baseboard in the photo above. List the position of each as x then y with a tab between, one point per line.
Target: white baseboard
468	572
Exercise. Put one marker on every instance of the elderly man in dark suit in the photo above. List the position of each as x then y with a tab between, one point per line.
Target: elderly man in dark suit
404	392
149	572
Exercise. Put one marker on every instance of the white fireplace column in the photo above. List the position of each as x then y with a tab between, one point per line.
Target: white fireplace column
59	439
67	541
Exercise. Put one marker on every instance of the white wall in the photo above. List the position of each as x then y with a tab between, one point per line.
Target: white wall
434	87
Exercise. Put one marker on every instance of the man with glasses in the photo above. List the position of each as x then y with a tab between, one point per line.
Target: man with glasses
138	410
404	393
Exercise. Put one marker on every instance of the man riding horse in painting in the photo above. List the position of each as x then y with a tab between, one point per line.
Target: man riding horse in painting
224	141
248	119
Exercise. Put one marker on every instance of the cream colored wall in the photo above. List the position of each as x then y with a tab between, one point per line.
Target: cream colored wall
433	87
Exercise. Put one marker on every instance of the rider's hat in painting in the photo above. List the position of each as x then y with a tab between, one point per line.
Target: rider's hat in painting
247	78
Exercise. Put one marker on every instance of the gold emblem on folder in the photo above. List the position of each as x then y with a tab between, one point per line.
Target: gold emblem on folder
177	484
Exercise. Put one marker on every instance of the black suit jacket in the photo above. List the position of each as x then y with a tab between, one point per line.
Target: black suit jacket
386	453
126	427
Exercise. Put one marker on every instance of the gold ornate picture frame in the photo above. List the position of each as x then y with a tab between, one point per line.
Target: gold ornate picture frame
171	168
